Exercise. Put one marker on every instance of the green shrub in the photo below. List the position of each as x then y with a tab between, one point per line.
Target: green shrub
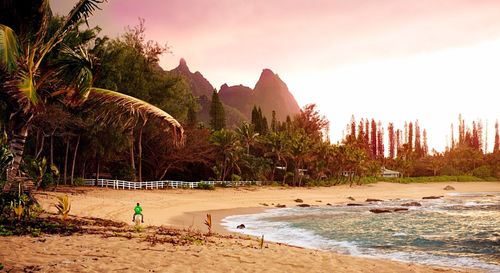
79	181
48	180
482	171
235	177
205	186
4	231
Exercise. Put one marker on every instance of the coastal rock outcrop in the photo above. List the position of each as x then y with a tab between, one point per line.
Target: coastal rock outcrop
411	204
432	197
387	210
373	200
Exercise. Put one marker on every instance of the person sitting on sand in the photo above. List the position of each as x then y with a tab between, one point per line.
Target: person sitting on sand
138	211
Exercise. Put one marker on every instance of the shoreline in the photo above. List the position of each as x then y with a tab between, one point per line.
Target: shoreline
187	209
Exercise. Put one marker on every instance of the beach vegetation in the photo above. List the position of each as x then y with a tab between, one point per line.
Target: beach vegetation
63	206
205	186
208	223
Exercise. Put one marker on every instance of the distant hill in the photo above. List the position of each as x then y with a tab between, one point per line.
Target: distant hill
270	93
199	85
239	97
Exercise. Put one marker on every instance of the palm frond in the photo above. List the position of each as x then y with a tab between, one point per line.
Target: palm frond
81	11
117	104
9	48
27	86
75	68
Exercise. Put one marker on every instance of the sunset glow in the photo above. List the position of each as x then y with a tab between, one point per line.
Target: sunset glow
390	60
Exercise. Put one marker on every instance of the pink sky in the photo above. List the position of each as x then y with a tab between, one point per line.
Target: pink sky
315	45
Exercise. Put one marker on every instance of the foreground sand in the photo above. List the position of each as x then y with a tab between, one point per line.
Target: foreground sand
92	253
186	208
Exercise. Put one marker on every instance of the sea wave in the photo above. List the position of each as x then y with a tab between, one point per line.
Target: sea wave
274	226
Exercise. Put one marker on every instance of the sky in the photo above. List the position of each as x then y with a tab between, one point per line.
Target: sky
391	60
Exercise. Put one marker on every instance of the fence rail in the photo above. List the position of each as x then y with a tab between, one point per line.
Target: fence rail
122	184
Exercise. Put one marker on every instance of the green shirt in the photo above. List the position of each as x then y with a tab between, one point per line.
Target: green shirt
138	210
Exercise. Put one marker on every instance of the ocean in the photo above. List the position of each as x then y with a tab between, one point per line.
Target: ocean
459	230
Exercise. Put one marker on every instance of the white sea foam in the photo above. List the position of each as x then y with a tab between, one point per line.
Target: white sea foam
284	232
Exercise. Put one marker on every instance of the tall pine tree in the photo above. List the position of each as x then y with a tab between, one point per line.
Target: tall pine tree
217	116
373	140
274	122
392	142
496	146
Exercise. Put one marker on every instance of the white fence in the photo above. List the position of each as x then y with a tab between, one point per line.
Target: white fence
122	184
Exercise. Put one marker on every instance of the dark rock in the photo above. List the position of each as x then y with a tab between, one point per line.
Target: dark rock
354	205
264	204
351	198
432	197
380	210
373	200
319	201
449	188
298	200
281	206
411	204
400	209
303	205
242	226
328	204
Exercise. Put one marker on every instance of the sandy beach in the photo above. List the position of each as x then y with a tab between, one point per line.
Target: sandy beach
186	209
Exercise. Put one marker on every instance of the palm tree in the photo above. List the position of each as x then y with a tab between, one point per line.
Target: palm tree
276	143
30	81
247	135
230	150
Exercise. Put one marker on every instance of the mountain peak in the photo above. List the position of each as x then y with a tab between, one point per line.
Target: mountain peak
183	65
267	72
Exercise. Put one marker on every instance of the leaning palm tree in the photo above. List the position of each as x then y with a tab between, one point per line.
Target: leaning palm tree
29	81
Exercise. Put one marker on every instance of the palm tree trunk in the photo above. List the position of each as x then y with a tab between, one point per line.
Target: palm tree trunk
96	168
16	145
68	140
51	149
139	153
74	158
132	155
41	147
139	149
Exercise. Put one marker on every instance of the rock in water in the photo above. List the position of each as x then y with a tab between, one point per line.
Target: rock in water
303	205
373	200
354	205
380	210
432	197
411	204
241	226
449	188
